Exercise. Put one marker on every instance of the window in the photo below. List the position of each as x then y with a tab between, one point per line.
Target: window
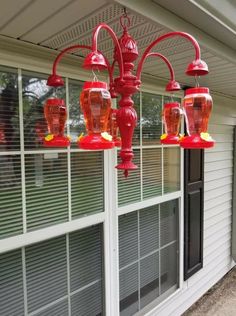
10	160
148	247
148	237
65	199
159	166
57	185
61	272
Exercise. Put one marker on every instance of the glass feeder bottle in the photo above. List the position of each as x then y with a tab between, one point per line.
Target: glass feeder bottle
197	108
95	101
172	120
55	114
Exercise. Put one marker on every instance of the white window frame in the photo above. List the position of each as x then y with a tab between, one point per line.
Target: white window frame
109	218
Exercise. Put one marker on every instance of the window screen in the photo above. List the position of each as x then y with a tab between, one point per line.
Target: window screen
148	255
49	265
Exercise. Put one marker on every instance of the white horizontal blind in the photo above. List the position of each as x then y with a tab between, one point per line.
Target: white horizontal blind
46	275
128	262
85	246
46	189
11	284
169	267
148	255
160	170
152	172
171	172
86	183
10	196
59	309
129	189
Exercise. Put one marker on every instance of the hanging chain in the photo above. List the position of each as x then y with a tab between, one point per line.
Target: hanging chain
125	20
196	81
95	78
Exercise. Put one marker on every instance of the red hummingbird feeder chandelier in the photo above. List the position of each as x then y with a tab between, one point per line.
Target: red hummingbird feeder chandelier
96	97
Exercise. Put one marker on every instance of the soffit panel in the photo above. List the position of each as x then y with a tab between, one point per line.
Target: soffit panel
63	17
9	10
72	22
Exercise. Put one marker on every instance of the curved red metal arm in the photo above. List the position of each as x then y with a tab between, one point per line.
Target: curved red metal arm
163	37
172	74
115	40
72	48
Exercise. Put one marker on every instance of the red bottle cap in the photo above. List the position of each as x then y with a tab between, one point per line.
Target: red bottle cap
55	101
95	84
197	90
171	105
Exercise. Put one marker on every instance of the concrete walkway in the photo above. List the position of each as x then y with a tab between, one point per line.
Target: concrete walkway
218	301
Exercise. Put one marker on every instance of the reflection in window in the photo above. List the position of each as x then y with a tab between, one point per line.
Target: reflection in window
35	93
168	99
151	118
9	111
136	137
76	118
171	169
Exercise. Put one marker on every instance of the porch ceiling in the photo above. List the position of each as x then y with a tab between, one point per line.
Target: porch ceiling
58	23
